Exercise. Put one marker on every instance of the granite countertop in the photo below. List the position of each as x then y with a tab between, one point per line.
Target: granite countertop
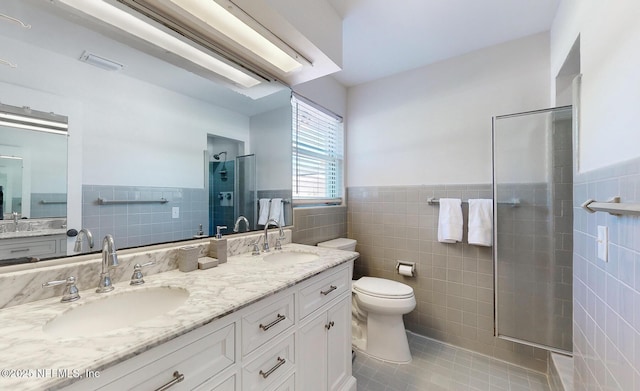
30	234
214	293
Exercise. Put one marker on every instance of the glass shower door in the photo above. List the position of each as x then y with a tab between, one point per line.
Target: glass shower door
533	179
246	189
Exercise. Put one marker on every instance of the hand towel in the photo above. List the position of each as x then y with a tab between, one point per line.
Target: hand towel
263	214
480	222
450	220
277	211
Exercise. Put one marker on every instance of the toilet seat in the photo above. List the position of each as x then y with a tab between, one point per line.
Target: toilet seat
382	288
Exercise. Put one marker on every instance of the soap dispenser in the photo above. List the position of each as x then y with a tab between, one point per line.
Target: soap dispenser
218	246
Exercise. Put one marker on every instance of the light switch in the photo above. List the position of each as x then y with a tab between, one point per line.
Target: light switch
603	243
175	212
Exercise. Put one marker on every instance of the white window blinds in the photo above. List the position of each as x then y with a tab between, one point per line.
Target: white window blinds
318	153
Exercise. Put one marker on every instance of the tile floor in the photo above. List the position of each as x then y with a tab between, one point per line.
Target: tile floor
439	367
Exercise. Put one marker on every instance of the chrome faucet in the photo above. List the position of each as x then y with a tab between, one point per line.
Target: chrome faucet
236	227
70	290
84	232
109	261
14	216
265	245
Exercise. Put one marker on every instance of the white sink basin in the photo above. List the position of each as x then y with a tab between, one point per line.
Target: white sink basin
114	311
291	257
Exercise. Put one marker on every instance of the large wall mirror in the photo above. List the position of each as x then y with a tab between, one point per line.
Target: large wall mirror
154	152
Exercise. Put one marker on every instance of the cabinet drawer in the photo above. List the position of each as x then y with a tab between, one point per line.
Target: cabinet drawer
287	385
228	384
25	248
199	360
270	367
265	323
323	291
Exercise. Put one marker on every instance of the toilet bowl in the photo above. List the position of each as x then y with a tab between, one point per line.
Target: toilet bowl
377	308
379	305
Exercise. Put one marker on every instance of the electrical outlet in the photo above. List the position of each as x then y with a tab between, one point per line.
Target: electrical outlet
603	243
175	212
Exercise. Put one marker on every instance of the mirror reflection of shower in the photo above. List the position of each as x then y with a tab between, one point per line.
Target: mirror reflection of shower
223	170
231	183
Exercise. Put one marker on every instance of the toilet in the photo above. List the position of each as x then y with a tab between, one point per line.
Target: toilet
377	308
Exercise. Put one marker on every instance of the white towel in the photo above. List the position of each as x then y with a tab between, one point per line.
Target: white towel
450	220
277	211
480	222
264	211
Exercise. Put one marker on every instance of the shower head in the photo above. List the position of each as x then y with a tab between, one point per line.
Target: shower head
217	155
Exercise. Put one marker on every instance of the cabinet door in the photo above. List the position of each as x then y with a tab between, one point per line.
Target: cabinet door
312	362
339	344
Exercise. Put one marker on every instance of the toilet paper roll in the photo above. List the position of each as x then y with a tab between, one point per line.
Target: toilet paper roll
405	270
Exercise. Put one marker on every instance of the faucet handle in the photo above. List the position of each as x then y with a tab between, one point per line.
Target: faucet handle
256	247
70	291
136	277
278	245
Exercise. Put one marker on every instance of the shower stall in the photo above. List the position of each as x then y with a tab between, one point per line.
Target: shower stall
232	191
533	204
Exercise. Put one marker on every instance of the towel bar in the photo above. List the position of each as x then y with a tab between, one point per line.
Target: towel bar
284	200
514	202
103	201
612	206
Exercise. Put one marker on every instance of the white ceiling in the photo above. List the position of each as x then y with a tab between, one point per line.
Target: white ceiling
384	37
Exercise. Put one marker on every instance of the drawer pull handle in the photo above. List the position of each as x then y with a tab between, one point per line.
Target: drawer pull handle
21	250
177	378
275	322
280	363
329	325
331	289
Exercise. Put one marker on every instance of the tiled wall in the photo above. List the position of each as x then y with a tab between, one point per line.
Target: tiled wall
55	206
607	294
315	225
140	224
454	282
562	207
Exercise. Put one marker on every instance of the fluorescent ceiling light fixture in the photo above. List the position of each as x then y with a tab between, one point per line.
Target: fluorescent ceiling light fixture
217	17
30	123
145	31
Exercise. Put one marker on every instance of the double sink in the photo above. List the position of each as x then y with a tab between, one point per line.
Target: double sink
114	311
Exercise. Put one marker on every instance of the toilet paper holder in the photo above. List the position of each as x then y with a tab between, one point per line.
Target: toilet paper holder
411	265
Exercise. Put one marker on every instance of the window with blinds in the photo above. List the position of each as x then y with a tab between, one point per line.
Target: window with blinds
318	153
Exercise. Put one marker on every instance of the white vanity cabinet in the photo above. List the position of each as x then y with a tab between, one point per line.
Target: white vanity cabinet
48	246
325	349
192	358
297	339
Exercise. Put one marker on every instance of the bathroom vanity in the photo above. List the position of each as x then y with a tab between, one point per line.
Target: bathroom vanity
33	238
280	321
40	246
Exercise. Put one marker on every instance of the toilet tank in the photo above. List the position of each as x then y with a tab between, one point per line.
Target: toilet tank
340	244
